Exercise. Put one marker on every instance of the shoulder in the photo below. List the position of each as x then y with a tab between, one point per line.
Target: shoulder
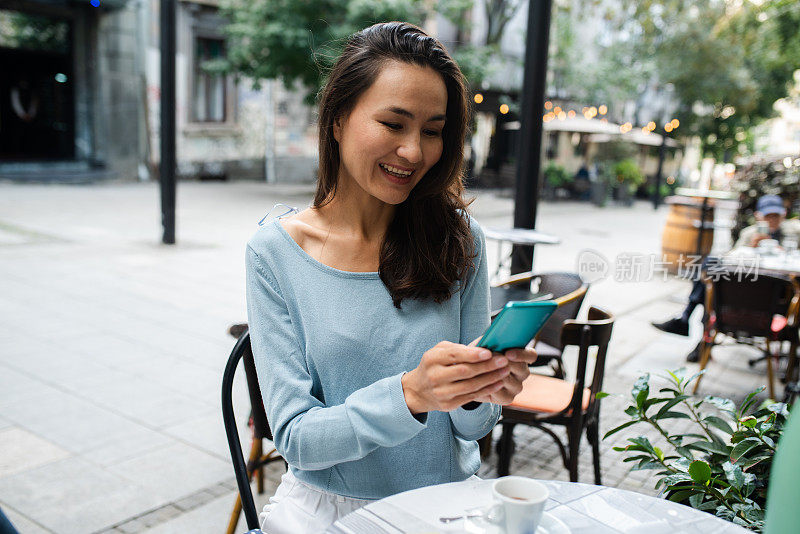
791	225
474	228
267	239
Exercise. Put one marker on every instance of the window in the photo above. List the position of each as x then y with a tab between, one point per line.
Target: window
209	87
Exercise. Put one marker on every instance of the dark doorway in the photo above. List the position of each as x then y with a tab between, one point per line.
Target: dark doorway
37	112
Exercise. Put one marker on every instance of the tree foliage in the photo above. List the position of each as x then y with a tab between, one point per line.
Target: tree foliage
298	41
727	61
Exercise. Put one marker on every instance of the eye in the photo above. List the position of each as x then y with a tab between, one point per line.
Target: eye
391	125
432	133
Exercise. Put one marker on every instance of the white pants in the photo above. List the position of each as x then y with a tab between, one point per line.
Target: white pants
297	508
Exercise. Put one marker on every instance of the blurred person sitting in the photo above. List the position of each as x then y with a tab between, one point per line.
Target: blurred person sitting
769	210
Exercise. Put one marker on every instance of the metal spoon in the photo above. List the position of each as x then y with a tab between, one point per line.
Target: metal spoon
458	517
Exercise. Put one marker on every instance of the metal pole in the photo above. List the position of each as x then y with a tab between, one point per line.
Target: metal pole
167	166
659	171
530	132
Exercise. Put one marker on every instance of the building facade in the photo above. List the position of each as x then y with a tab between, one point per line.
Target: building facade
80	98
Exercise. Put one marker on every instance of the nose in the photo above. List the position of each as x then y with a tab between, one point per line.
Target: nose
411	149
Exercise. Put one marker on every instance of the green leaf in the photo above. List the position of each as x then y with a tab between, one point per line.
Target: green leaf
748	402
749	421
674	415
710	446
700	471
734	475
743	447
726	405
620	427
670	403
779	408
719	423
696	500
601	395
641	388
682	495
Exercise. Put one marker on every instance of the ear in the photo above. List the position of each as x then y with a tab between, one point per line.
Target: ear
337	129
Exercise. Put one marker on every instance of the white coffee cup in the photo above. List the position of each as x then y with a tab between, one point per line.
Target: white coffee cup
520	504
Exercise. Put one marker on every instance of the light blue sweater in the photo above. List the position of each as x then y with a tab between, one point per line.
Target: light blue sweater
330	349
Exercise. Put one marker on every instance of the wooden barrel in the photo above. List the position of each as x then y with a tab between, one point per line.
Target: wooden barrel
688	233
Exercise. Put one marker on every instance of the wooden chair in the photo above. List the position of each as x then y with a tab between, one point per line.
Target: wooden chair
546	400
750	309
567	289
258	425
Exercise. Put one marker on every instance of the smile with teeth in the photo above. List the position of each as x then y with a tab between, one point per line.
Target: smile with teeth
394	171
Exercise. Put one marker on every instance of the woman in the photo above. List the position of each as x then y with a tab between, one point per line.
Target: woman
361	307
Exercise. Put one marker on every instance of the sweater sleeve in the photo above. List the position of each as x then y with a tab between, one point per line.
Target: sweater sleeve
476	423
309	434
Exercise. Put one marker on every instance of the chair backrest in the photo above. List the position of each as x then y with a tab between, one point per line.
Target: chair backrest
242	350
560	285
594	332
745	304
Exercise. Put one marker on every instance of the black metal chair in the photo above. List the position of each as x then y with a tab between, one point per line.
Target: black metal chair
564	287
259	426
546	400
749	308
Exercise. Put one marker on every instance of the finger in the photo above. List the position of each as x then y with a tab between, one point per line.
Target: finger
521	355
475	341
512	385
471	385
464	354
483	395
462	371
520	370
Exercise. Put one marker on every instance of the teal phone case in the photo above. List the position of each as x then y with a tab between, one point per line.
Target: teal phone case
516	325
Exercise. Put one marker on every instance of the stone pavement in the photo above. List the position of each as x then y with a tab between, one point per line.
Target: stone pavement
112	348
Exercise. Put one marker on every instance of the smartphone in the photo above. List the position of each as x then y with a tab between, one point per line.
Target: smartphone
516	325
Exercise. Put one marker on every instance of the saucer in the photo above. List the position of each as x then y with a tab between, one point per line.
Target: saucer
549	524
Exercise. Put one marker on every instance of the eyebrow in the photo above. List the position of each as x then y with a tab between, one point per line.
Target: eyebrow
406	113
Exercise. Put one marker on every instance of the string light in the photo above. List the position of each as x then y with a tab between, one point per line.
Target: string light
478	98
548	105
668	127
504	108
651	126
675	123
571	113
603	109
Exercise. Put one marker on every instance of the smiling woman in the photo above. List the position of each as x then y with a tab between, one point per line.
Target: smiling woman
362	308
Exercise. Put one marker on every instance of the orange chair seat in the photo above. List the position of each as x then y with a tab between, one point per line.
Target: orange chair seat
546	394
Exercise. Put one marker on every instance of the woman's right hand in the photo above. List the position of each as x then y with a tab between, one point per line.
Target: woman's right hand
450	375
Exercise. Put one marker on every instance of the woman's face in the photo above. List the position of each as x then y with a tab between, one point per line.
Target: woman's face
393	135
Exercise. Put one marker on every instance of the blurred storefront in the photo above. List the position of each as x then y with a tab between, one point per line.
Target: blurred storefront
80	96
69	79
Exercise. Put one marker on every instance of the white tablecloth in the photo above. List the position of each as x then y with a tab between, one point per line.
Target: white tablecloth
584	508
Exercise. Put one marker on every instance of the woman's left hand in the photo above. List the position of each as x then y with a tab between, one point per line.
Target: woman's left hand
518	361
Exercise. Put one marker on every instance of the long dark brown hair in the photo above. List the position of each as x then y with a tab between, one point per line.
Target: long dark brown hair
428	245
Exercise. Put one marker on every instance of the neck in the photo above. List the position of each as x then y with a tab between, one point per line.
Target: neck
356	214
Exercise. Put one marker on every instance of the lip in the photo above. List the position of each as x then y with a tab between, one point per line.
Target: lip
395	179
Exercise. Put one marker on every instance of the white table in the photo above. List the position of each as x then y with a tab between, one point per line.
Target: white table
516	236
584	508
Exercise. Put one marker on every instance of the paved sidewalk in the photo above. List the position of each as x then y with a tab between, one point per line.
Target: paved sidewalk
112	347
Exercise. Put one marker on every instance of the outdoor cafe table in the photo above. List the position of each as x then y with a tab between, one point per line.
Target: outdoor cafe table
583	508
517	236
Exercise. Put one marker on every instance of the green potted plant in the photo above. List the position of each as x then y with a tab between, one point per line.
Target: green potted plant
722	464
628	177
555	177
